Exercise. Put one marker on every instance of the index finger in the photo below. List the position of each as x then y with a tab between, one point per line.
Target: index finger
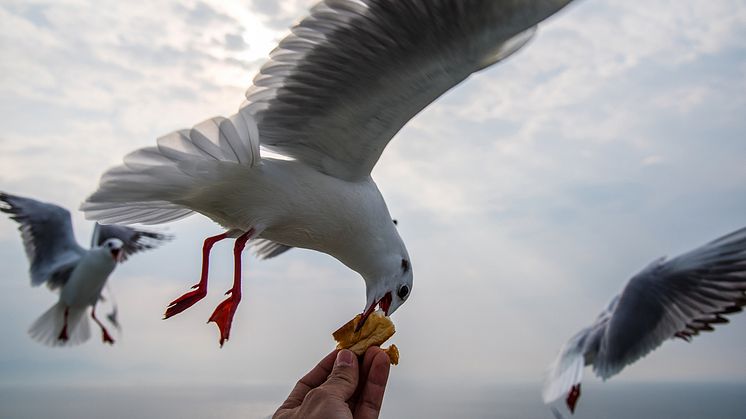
365	365
371	397
313	379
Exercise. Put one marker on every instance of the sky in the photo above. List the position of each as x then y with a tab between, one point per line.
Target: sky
526	196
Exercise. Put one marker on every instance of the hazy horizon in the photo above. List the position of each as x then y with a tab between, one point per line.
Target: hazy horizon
403	400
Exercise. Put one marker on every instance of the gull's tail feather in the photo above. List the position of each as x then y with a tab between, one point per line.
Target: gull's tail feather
567	370
150	186
48	328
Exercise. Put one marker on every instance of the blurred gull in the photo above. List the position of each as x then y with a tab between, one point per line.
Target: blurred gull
60	262
332	95
678	298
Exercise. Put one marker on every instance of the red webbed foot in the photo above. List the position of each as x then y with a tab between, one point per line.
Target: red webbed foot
223	316
63	333
185	301
572	398
106	337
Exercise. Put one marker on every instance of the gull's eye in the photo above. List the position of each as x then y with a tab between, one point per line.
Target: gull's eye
405	265
403	292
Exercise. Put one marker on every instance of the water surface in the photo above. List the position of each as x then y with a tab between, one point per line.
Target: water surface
403	400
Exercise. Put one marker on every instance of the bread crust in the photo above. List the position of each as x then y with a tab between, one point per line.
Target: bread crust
377	329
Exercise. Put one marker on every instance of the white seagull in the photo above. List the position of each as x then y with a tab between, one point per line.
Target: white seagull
332	95
669	299
60	262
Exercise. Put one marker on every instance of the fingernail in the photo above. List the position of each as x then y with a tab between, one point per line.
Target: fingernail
344	358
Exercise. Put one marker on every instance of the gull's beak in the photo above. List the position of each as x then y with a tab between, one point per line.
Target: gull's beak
384	303
117	254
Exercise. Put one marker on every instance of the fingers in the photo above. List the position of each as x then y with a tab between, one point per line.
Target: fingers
343	379
313	379
368	361
371	397
368	357
364	370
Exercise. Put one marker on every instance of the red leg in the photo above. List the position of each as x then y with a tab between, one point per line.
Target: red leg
105	336
200	290
223	314
63	334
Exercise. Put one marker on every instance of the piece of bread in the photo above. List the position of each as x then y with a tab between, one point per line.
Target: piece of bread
376	330
393	353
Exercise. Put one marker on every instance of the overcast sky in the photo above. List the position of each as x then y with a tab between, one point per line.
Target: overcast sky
526	197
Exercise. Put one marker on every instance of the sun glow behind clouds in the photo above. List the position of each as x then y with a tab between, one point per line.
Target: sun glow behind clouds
258	40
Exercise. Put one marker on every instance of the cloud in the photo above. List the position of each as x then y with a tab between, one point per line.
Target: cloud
34	13
279	15
201	13
235	42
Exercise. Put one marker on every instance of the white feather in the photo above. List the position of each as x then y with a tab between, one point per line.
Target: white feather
47	328
148	186
567	369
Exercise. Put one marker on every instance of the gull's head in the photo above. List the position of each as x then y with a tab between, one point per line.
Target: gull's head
390	290
114	248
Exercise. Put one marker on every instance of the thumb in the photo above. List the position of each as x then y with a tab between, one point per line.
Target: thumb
342	382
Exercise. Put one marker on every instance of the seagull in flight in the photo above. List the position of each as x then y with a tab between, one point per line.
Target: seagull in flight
332	95
79	275
669	299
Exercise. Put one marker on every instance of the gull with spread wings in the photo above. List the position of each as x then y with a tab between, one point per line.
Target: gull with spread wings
332	95
58	261
669	299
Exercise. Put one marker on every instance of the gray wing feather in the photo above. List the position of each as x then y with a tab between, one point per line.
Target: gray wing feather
58	278
48	238
135	240
677	298
350	75
267	249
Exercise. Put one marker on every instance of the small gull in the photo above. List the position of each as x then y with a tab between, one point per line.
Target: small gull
669	299
58	261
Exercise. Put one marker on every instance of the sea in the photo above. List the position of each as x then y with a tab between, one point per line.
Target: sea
610	400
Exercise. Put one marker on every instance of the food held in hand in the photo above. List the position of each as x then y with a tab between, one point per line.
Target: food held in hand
376	330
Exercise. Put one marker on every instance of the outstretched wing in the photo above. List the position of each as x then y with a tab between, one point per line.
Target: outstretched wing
354	72
677	298
135	240
48	238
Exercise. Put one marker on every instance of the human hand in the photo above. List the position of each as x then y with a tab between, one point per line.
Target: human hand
337	388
